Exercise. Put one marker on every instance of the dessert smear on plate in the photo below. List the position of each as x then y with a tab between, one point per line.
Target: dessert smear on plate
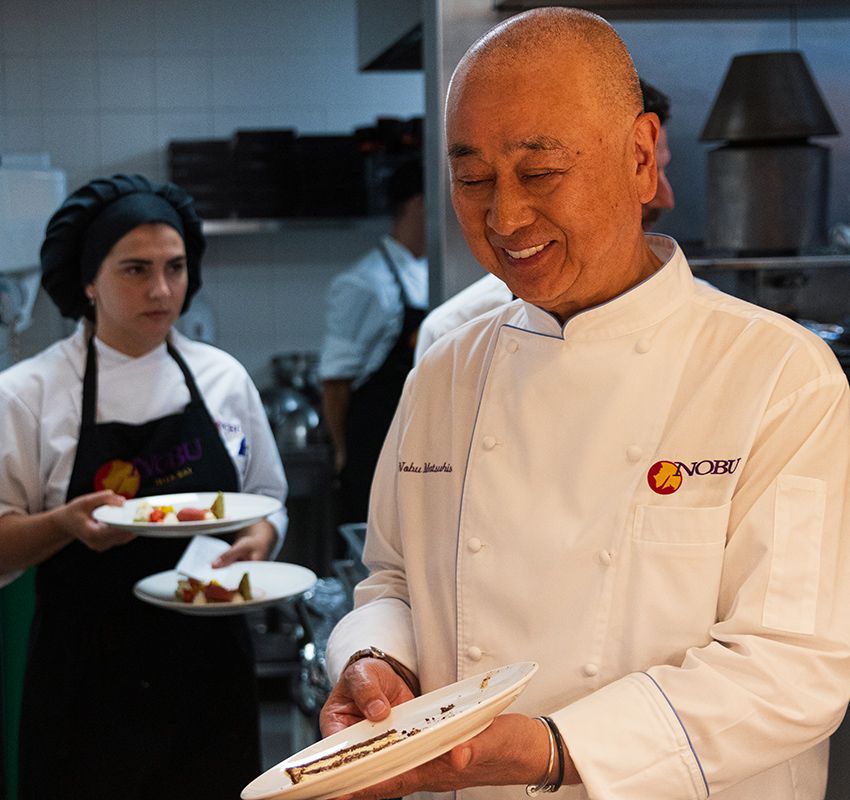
345	755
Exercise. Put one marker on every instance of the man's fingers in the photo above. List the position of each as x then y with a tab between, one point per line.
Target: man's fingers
366	693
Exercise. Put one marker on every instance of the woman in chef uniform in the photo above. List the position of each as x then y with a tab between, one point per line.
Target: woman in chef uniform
122	698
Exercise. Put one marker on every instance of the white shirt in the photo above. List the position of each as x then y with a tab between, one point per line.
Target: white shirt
365	312
41	402
486	293
686	640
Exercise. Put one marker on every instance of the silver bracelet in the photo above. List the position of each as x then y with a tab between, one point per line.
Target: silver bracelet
544	785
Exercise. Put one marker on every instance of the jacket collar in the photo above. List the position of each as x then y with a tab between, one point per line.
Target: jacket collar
638	308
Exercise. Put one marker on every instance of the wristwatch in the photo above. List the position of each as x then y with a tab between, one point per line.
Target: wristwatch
397	666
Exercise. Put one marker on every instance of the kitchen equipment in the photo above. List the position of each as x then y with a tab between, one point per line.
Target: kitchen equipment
292	403
767	186
30	191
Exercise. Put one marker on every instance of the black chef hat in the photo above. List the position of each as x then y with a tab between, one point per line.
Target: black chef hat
92	219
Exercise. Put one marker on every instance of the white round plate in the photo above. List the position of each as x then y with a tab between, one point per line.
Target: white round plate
270	581
240	510
442	718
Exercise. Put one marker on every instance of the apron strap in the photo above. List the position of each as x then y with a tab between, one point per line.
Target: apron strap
90	381
90	384
405	299
187	373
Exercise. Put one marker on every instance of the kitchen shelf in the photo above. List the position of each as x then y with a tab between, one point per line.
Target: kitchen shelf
684	9
740	263
251	227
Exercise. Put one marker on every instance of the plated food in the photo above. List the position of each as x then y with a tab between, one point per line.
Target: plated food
269	582
416	731
191	590
167	515
185	514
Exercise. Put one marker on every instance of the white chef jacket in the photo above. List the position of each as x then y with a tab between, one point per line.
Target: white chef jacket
692	641
485	294
365	312
41	404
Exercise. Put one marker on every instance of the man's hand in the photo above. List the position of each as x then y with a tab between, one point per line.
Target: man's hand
513	750
366	690
75	520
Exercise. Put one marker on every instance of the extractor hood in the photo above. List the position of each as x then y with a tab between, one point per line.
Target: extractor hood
389	35
672	9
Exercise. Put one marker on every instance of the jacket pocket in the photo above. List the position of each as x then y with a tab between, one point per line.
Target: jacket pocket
790	603
678	525
672	581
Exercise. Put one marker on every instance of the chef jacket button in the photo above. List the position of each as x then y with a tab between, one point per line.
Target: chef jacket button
633	452
590	670
643	345
489	442
605	557
513	346
474	544
474	653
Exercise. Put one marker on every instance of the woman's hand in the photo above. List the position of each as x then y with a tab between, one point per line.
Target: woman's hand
253	543
513	750
75	520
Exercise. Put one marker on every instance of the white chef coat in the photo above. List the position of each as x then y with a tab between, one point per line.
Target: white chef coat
485	294
41	403
688	641
365	312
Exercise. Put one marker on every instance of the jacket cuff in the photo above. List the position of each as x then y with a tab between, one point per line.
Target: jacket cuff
384	624
627	741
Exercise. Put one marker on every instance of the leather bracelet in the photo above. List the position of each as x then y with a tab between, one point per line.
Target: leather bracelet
397	666
559	744
544	785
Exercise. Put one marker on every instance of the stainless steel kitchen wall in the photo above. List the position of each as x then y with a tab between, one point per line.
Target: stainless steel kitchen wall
685	58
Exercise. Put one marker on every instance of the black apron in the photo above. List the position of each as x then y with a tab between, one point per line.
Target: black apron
371	410
123	699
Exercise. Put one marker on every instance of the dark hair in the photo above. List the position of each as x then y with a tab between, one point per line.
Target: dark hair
655	101
404	183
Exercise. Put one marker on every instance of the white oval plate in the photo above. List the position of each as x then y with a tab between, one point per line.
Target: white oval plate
443	718
240	510
271	581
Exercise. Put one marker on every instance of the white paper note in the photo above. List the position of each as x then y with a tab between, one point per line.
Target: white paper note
199	555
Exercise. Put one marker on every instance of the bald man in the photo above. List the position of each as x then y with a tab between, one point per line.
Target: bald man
635	481
489	292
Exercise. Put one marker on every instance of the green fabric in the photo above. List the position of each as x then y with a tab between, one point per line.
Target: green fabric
17	602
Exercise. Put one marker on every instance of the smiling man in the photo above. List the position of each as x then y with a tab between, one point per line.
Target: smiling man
489	292
641	481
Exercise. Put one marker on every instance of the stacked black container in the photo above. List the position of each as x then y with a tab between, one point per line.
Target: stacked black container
265	176
203	167
272	173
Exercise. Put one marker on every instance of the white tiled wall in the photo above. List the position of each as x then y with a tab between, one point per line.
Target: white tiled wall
104	85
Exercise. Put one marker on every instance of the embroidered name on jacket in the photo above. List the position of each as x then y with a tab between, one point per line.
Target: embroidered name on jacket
427	466
665	477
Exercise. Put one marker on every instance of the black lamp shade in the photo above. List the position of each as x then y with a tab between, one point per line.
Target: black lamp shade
767	97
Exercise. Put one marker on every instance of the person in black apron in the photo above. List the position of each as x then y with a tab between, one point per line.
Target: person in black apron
123	699
371	409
